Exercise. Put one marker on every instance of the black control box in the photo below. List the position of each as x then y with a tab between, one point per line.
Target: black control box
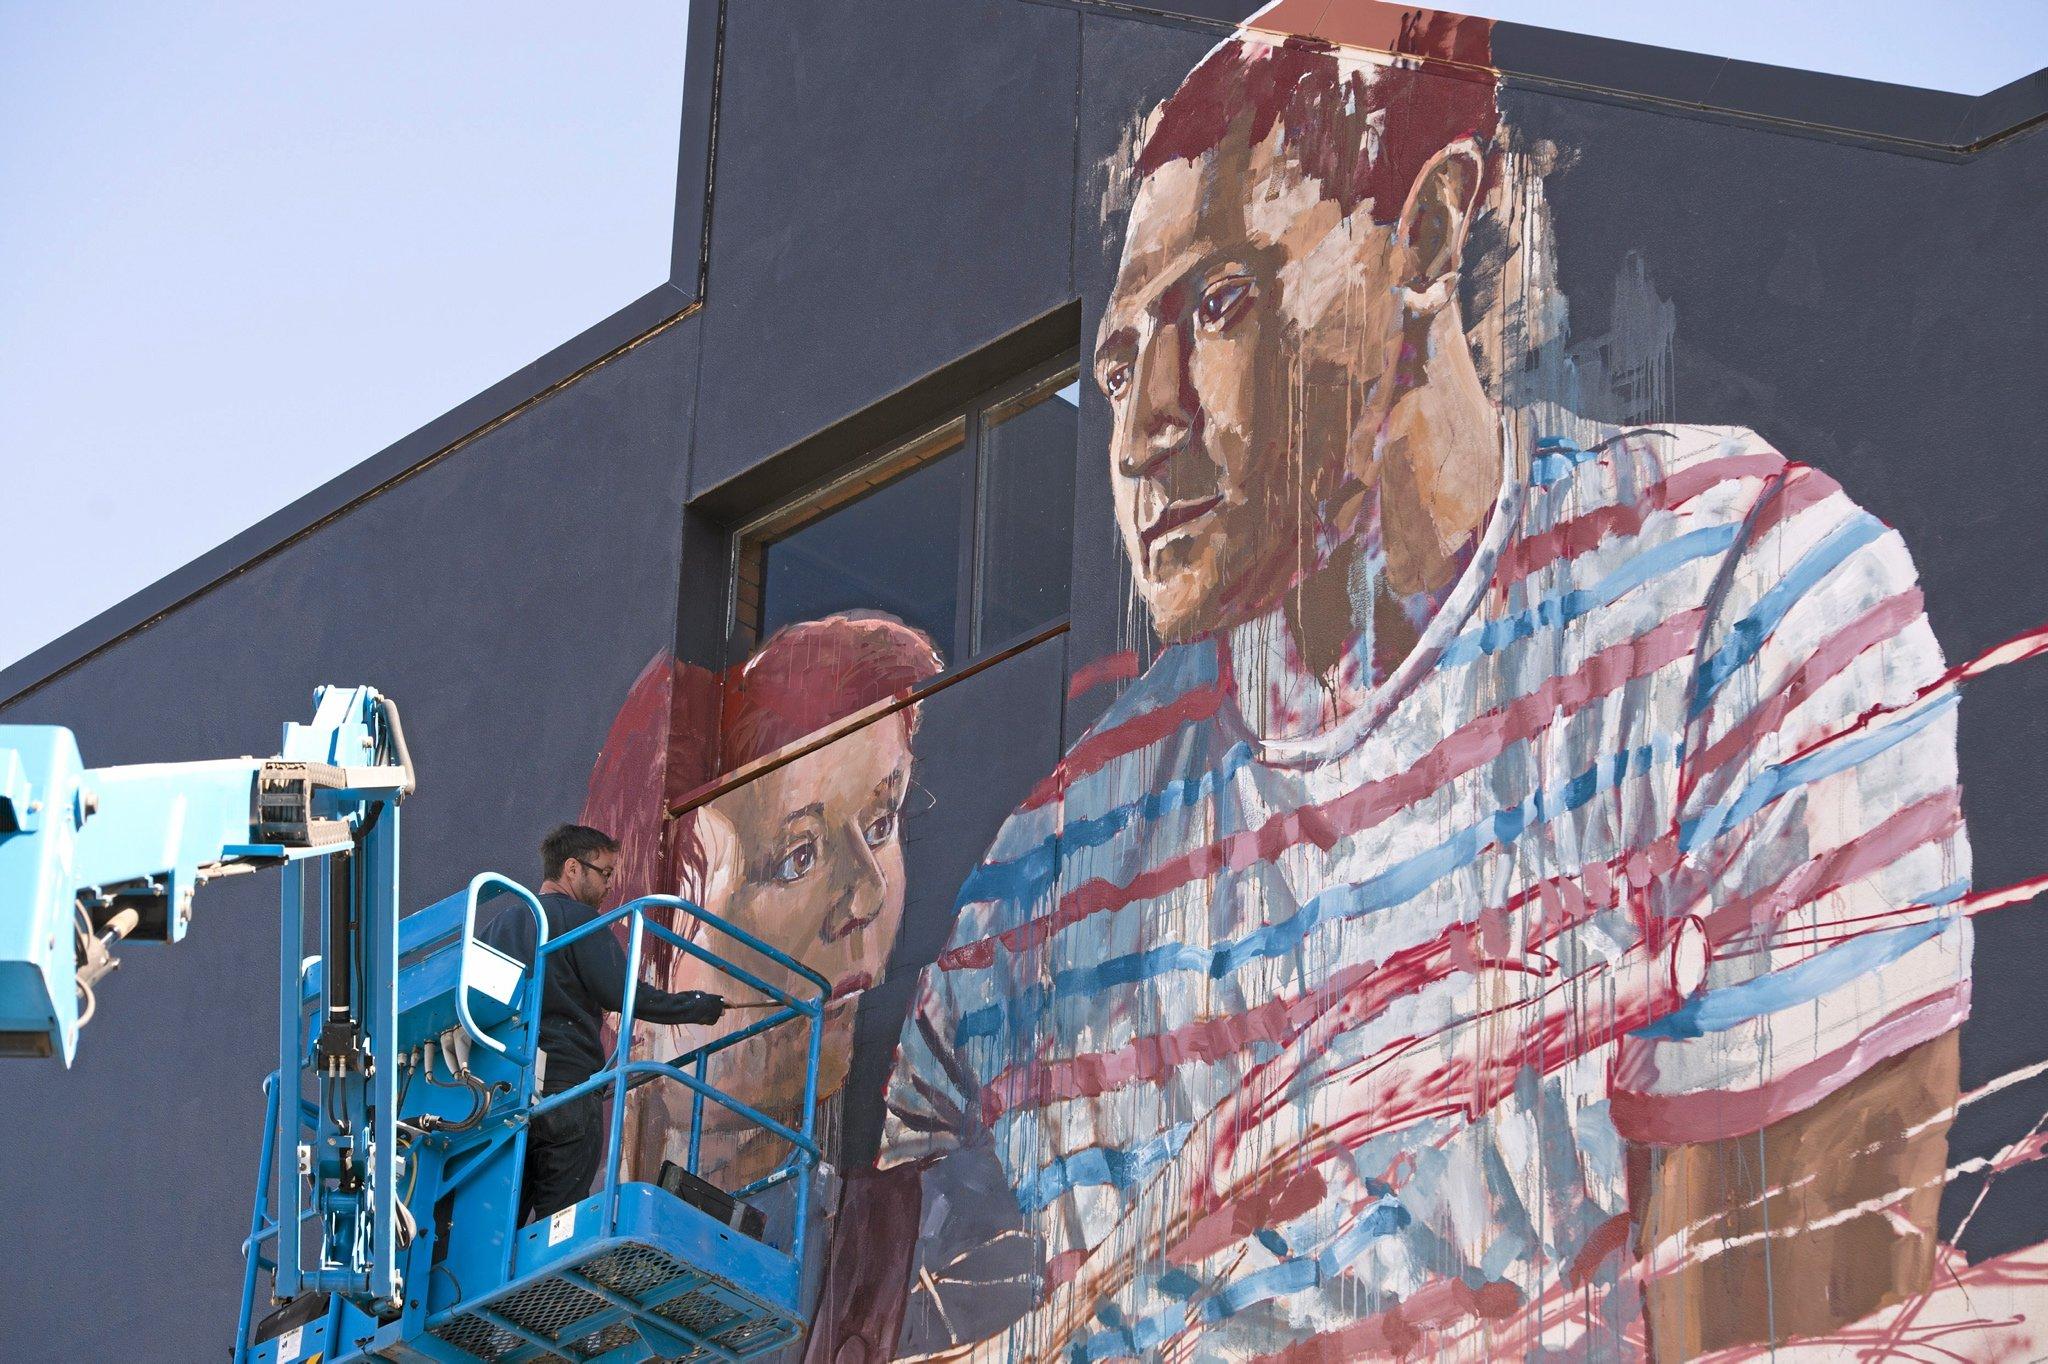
743	1218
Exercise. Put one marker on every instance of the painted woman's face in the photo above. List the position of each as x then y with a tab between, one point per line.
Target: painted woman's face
821	856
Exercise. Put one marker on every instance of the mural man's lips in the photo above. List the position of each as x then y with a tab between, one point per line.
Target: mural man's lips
1175	515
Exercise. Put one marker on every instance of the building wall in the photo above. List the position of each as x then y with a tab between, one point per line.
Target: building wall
897	188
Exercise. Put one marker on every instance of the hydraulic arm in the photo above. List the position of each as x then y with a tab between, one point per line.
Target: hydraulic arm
92	856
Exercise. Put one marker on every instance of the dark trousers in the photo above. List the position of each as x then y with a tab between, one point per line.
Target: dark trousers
563	1148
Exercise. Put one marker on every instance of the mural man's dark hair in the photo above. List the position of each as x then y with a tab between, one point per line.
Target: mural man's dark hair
565	841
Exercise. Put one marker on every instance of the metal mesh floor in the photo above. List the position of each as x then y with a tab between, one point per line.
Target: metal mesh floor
580	1325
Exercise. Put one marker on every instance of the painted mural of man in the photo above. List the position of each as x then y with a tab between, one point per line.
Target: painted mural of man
1450	945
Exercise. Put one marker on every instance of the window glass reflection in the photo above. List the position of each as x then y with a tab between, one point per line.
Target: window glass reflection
895	550
1027	515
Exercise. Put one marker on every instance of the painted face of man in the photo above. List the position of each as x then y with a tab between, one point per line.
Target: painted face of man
821	875
1245	352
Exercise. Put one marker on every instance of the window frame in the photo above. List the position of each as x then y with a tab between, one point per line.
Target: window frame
960	428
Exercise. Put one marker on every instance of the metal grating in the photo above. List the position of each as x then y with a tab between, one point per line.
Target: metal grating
550	1307
484	1340
610	1338
631	1271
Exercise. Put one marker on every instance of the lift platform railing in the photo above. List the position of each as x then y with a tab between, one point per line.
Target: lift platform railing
689	1069
519	1279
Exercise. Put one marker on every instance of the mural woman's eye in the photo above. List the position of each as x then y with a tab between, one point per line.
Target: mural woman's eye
881	831
1223	302
1115	380
797	862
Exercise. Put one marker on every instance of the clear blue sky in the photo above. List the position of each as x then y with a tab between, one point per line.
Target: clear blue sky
244	246
1966	45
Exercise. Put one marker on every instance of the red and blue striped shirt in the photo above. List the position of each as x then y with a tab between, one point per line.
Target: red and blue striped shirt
1294	1008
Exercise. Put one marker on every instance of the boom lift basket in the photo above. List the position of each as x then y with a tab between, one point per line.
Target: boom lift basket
630	1273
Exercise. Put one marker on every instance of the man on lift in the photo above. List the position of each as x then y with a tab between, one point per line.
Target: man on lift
583	982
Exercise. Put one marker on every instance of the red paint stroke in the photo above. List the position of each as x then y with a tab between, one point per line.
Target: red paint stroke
1121	666
1802	486
1969	907
1881	624
1607	1238
1141	730
1472	745
1408	1080
1278	1202
1721	1114
1579	535
1061	1268
1931	819
2015	650
1397	1331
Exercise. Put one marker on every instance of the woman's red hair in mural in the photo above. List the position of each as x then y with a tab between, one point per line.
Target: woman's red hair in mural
809	675
682	726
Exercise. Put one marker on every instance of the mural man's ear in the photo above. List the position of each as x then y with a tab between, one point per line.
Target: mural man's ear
1433	224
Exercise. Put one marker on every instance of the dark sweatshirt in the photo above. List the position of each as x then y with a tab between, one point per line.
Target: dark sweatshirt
585	981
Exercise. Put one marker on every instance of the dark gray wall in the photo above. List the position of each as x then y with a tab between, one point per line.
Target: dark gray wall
896	190
507	596
897	184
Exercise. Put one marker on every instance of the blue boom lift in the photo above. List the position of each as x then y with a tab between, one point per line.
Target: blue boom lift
387	1191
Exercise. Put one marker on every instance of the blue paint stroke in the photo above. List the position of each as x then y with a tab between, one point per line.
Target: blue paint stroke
1555	459
1781	779
1290	1276
1398	884
1803	982
1118	1167
1747	635
1562	608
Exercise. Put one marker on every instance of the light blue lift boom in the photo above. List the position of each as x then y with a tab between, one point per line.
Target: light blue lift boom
89	857
388	1184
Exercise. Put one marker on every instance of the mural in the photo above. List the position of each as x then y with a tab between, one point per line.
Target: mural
807	856
1520	903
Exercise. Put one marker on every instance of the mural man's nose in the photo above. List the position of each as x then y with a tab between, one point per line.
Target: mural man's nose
1162	404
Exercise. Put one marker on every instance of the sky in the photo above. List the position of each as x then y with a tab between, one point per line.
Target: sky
246	246
1966	45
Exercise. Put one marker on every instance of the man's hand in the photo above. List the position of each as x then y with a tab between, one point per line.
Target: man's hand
706	1007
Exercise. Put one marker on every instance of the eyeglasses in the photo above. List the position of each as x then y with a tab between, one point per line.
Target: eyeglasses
605	872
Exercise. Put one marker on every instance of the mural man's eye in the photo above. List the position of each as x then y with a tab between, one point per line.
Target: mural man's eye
1223	302
881	831
797	862
1116	379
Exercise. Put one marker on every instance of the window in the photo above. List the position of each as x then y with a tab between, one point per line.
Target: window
964	530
